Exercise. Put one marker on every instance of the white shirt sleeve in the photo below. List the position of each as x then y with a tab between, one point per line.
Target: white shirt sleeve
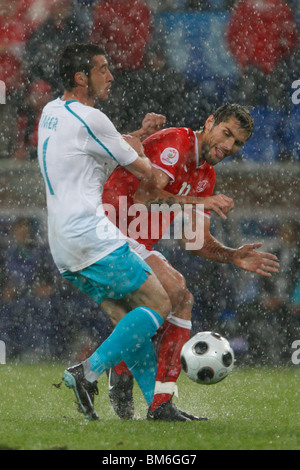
103	139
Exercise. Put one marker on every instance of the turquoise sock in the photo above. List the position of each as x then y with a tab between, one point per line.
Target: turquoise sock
143	366
130	341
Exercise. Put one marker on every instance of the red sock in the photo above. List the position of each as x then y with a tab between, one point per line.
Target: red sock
121	368
169	341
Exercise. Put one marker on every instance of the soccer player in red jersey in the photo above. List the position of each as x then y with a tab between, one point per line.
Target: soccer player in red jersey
183	162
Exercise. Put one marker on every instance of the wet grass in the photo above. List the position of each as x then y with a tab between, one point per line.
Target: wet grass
252	409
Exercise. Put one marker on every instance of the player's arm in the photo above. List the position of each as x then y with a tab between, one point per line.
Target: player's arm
106	141
152	123
246	257
152	191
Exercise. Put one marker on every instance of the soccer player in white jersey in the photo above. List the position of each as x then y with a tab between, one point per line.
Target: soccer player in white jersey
78	146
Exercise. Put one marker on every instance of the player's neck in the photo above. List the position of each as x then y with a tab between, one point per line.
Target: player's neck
79	95
199	136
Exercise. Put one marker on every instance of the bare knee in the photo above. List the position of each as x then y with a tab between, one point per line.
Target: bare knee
188	301
114	309
177	291
153	295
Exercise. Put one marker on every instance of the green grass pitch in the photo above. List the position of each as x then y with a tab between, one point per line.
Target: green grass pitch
252	409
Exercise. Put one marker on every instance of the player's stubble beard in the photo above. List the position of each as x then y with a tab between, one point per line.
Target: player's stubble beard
208	147
93	95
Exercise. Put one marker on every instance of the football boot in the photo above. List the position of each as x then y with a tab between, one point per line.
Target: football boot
120	392
167	411
83	389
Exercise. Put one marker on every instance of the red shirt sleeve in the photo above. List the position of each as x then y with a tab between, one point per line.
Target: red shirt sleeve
169	149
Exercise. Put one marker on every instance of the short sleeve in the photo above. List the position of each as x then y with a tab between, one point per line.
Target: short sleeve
167	159
166	151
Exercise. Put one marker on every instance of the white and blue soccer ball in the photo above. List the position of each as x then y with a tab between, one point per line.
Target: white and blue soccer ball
207	358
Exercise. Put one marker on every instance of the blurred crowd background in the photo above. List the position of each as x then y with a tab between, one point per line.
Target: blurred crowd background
181	58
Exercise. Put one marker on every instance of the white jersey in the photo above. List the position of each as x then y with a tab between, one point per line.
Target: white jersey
78	147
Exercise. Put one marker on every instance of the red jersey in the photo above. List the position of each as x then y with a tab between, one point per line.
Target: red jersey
175	152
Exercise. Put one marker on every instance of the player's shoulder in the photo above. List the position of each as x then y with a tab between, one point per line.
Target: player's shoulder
182	133
92	117
69	106
81	109
175	131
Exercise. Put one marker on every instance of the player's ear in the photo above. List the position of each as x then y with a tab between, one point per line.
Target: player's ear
209	123
81	79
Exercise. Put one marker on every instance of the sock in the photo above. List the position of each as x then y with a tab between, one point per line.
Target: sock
143	366
144	359
169	340
130	341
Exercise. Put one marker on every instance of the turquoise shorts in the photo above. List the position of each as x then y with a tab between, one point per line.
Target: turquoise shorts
113	277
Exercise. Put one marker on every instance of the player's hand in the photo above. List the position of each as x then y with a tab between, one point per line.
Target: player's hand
152	123
219	203
247	257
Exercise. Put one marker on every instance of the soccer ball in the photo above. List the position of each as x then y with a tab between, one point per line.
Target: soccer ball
207	358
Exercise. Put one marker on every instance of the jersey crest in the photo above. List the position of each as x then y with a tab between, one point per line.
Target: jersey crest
169	156
202	186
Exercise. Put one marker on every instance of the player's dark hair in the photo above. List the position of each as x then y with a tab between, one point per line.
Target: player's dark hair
77	58
241	113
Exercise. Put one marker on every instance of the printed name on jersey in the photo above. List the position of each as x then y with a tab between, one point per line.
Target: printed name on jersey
48	122
202	185
169	156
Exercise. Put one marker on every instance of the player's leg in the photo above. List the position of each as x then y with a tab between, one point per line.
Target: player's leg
115	309
150	306
174	332
172	280
120	379
140	356
169	340
130	341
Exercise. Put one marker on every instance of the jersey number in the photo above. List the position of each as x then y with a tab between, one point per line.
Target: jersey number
185	189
